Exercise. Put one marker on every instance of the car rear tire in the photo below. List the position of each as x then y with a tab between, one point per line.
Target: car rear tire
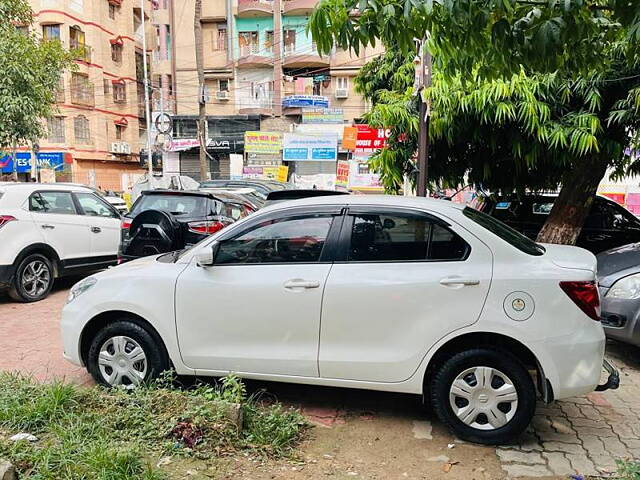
125	354
484	395
33	279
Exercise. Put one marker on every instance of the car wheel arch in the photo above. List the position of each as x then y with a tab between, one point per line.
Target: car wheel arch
496	341
103	319
42	249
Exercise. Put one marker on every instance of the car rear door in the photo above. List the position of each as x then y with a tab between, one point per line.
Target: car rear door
64	228
257	310
104	225
402	280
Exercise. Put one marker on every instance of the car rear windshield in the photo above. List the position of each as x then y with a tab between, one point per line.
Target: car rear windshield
506	233
186	205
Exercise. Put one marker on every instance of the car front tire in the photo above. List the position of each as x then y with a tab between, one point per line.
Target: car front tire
125	354
484	395
33	279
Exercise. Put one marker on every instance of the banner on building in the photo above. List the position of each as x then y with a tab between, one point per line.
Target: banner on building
342	175
361	177
301	101
262	142
181	144
310	148
322	115
319	181
363	138
279	173
53	160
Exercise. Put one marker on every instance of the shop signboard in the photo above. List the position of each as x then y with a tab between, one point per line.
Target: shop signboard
262	142
53	160
342	175
301	101
181	144
360	176
322	115
279	173
310	148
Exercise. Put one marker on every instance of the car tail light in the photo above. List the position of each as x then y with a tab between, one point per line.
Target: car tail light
206	228
585	295
125	224
4	219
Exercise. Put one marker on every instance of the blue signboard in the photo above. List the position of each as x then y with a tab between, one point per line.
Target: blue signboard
296	154
298	101
324	154
53	160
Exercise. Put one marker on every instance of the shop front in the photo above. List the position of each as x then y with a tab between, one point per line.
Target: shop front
51	166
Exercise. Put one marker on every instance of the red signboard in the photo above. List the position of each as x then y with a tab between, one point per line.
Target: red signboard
370	139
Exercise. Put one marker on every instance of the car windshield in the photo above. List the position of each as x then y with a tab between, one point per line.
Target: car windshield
506	233
188	205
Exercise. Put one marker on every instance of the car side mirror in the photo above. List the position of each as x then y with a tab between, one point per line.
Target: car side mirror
207	257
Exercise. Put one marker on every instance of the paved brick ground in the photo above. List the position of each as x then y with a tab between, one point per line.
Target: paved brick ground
581	435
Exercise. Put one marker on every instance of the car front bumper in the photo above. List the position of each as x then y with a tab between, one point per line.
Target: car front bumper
621	318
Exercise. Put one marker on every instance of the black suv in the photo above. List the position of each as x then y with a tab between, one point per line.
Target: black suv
163	221
608	225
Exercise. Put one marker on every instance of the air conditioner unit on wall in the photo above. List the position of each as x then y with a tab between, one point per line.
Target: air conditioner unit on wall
222	95
116	147
125	148
342	93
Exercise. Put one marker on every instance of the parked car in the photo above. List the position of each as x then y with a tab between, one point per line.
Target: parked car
252	196
414	295
110	196
619	282
163	221
262	187
608	225
49	231
285	195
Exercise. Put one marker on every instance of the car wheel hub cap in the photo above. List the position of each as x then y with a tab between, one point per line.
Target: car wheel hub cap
36	277
122	361
483	398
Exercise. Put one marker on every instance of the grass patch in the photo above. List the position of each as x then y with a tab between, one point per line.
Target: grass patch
95	433
628	470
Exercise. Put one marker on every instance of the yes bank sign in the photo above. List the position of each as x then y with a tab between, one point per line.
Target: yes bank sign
53	160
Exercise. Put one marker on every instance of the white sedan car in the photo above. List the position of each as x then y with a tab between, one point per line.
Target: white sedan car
383	293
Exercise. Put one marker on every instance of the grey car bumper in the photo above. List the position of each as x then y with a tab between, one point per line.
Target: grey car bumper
621	318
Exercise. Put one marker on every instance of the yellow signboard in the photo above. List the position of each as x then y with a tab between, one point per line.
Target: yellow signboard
263	142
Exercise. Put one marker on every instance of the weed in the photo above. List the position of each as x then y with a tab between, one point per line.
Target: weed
99	434
628	470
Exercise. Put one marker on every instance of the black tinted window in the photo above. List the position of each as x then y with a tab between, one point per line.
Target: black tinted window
505	232
289	240
52	202
403	238
187	205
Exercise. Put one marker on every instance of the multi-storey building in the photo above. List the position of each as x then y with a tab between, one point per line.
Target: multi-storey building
257	55
99	128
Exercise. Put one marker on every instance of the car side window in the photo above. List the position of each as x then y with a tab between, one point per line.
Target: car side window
94	206
389	238
52	202
286	240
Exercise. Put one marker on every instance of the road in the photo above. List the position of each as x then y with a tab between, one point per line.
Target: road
381	435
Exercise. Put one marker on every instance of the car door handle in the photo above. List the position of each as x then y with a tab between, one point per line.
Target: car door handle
454	281
47	226
300	284
96	229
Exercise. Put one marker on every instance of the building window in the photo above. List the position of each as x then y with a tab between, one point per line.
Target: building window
169	85
185	128
106	84
119	132
289	41
223	85
119	93
81	89
342	83
77	42
168	39
219	40
268	42
116	52
56	129
81	129
51	32
60	98
112	11
248	43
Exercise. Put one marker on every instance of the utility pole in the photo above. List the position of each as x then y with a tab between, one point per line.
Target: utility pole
147	103
424	81
202	112
277	57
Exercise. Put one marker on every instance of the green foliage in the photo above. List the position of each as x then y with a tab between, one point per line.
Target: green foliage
31	70
628	470
93	433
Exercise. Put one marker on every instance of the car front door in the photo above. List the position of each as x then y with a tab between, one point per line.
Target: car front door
103	222
257	310
62	226
401	281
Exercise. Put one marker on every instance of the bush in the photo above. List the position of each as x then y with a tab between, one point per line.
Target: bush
628	470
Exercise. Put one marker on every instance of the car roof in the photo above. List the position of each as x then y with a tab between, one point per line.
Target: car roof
369	200
30	187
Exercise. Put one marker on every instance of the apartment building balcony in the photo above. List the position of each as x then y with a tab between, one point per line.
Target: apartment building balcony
83	95
82	52
301	59
255	8
299	7
255	106
251	56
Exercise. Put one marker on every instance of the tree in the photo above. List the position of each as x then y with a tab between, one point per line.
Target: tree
505	116
31	71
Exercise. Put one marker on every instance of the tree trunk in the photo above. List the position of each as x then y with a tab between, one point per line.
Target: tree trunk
574	202
202	113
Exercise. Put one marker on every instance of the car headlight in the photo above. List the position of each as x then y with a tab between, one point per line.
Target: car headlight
627	288
81	287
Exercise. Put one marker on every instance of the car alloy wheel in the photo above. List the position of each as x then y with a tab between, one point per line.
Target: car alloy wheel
483	398
36	278
122	361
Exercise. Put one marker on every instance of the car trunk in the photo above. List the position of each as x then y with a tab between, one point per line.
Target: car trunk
570	257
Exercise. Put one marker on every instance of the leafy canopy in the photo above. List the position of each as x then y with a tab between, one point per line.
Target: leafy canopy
31	71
